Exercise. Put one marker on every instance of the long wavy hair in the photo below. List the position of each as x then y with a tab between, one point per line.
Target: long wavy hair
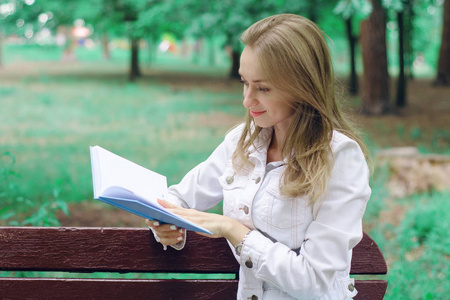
294	57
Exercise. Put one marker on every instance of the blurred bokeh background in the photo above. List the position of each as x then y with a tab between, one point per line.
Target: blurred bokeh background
156	82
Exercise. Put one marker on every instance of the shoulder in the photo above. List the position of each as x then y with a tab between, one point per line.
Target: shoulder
340	141
346	151
348	156
235	133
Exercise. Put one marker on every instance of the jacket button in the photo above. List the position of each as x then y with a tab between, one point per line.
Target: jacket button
245	209
258	180
253	297
351	287
230	179
249	263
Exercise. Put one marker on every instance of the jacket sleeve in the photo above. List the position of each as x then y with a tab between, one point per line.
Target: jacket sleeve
200	188
326	249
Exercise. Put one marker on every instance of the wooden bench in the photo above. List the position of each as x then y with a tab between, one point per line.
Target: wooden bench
123	250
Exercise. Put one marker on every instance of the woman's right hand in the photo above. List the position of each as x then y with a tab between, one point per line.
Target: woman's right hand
168	234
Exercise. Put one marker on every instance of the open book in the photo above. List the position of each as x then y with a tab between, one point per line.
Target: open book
126	185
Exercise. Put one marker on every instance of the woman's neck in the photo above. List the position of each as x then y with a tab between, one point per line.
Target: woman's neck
274	150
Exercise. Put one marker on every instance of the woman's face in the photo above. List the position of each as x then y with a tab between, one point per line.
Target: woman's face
267	105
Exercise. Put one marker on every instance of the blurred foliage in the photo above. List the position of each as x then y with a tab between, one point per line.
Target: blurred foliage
150	19
8	186
417	251
10	191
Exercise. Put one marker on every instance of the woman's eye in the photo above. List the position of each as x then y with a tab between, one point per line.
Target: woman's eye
243	82
263	90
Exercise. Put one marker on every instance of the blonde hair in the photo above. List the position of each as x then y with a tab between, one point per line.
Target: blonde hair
294	58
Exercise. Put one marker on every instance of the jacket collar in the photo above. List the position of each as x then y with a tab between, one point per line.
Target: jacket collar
261	143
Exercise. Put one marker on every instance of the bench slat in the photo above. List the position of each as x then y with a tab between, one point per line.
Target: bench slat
370	289
108	250
367	258
49	289
134	250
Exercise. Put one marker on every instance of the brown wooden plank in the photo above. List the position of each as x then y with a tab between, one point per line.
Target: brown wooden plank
370	289
108	249
367	258
44	288
49	289
134	250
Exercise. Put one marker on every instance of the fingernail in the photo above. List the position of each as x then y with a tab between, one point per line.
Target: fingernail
179	238
155	223
173	227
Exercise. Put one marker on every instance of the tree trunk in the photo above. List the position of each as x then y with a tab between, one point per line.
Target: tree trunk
375	96
212	52
313	10
105	47
152	48
134	67
401	81
198	47
1	46
235	57
407	40
353	84
443	68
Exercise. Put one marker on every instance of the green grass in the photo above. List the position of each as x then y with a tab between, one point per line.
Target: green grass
418	250
50	118
51	129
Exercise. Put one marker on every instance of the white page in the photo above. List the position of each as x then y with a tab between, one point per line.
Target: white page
116	171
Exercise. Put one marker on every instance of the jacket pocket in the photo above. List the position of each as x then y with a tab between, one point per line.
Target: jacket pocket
283	212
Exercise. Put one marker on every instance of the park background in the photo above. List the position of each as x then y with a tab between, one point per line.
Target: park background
155	82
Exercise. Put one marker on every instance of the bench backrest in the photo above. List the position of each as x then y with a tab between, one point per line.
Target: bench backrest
125	250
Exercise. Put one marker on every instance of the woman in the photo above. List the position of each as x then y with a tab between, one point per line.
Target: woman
293	178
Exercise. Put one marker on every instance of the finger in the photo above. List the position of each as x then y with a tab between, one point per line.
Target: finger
166	203
152	223
165	229
171	241
169	230
169	234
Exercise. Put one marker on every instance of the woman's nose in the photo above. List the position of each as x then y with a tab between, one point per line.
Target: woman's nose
249	98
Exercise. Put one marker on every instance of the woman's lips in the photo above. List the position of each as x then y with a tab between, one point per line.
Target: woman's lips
256	113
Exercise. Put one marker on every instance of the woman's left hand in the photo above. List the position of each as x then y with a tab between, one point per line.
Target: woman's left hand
219	225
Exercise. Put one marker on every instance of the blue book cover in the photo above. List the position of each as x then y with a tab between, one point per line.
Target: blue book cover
131	187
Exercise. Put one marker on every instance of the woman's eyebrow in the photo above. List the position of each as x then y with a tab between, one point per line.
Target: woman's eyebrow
256	81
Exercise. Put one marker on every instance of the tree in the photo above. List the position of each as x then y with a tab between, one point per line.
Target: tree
230	18
400	11
1	45
443	68
156	17
401	81
375	96
351	10
407	39
352	40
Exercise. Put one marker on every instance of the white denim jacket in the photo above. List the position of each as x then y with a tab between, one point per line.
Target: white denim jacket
295	251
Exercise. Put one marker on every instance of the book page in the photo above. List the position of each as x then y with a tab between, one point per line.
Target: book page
115	171
122	193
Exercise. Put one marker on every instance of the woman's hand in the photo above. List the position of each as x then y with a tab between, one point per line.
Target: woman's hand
220	226
168	234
